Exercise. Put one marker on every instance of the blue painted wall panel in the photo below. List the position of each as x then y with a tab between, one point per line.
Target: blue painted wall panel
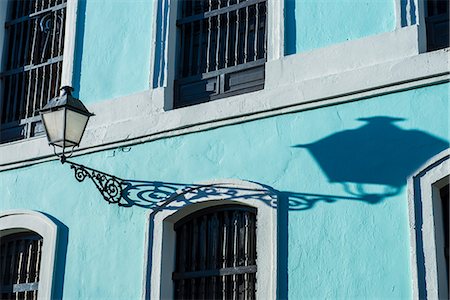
312	24
347	235
112	48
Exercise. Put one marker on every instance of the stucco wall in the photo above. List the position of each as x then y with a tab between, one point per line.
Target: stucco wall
312	24
112	48
342	182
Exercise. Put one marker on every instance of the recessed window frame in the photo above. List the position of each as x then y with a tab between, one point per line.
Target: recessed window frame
18	221
222	50
163	53
160	238
425	215
68	54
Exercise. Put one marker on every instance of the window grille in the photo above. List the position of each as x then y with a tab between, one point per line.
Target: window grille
223	48
437	24
20	258
216	254
32	64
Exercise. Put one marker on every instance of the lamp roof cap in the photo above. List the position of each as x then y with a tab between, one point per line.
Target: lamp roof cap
65	99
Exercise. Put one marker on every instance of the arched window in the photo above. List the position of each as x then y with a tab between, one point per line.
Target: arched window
216	254
237	223
29	243
429	227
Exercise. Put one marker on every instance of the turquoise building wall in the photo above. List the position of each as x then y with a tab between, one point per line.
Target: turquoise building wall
312	24
112	54
342	237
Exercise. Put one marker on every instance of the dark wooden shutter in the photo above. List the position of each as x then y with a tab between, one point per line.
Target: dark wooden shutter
34	40
437	24
216	254
223	49
20	258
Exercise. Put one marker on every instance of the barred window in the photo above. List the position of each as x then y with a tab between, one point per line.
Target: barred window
437	24
216	254
32	64
223	48
20	258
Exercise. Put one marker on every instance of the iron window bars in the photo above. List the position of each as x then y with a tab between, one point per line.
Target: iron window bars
223	49
20	258
437	24
32	63
216	254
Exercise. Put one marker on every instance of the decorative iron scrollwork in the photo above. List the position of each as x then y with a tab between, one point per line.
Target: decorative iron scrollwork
109	186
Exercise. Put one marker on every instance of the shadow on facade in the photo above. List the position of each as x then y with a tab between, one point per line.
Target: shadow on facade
159	60
377	154
290	28
61	255
79	46
371	162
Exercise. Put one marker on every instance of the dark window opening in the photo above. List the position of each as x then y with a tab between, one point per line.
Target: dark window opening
223	49
437	24
444	193
32	64
20	258
216	254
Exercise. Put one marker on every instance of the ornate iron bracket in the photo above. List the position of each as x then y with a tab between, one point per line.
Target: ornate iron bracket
108	185
156	194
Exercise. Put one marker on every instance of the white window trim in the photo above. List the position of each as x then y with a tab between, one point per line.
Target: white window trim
423	196
69	43
160	238
17	221
167	59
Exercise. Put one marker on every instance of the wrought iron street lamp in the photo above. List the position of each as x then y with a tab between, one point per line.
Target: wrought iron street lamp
65	119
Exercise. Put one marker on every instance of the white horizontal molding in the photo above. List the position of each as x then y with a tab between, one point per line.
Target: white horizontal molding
328	76
342	57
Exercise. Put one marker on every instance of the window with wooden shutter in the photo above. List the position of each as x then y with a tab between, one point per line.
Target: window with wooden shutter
223	49
216	254
32	64
437	24
20	258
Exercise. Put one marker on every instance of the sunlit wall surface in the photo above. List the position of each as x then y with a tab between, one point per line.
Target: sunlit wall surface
340	171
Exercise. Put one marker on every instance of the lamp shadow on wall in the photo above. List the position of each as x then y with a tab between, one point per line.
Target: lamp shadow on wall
371	162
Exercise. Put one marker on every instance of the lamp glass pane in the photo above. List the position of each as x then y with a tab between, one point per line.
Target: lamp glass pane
54	126
76	123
